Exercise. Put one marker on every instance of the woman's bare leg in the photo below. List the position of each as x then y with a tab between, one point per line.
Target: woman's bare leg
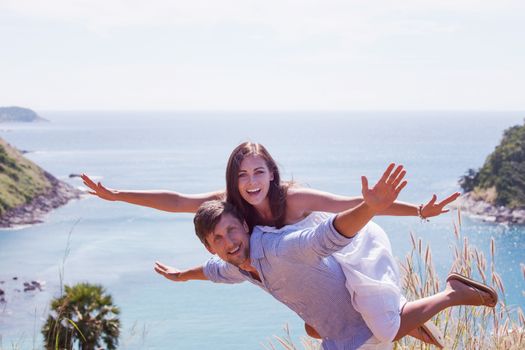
415	313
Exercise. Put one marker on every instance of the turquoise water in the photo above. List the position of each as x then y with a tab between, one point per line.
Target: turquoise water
116	244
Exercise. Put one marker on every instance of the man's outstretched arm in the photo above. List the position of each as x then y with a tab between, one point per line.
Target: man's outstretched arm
214	270
176	275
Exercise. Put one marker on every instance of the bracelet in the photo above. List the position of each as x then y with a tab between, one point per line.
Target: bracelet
420	213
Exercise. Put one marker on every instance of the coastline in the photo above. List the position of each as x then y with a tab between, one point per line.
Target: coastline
33	212
478	208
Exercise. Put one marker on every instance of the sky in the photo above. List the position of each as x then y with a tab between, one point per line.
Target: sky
262	55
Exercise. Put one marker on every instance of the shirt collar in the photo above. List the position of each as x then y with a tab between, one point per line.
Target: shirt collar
256	247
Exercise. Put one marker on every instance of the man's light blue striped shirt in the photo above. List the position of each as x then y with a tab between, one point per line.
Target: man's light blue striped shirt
296	267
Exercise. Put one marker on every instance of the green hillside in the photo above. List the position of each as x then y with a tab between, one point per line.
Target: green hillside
20	179
501	180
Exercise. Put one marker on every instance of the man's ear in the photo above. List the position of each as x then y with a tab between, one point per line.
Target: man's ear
245	226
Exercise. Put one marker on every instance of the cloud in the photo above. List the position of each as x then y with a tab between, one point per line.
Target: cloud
287	19
272	54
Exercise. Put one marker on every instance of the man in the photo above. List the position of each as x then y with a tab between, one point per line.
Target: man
297	268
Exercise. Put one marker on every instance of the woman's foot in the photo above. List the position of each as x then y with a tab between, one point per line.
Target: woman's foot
465	291
429	334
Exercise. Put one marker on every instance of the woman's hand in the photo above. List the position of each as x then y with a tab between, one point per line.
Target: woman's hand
98	189
386	190
434	209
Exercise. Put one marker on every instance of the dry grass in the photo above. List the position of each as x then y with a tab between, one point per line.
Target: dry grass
464	327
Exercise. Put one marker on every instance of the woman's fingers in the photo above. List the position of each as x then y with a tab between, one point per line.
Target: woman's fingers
433	208
449	199
87	181
364	183
387	172
400	187
399	177
432	200
96	187
392	178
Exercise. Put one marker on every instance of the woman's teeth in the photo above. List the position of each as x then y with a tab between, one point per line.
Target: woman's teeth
255	190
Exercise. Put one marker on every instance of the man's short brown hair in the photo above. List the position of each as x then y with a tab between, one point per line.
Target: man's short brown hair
208	216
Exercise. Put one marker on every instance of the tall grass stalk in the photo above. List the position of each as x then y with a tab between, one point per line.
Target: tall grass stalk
67	250
61	273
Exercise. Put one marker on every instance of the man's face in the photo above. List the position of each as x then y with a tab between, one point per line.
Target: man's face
230	240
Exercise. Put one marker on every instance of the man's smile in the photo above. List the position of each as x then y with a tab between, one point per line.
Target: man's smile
235	249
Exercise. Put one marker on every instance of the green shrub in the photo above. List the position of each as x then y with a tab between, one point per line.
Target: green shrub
84	316
504	170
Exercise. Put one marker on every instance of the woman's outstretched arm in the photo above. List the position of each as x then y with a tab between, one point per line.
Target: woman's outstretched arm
161	200
301	201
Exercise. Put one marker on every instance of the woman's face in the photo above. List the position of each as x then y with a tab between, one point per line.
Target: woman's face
254	179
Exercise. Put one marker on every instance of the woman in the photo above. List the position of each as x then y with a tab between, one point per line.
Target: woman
254	186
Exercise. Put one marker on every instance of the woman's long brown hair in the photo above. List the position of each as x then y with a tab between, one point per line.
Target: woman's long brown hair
276	193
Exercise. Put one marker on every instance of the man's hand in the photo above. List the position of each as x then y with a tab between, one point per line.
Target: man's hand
434	209
169	272
386	190
98	189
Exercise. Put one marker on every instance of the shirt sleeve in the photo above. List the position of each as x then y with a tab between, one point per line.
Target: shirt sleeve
321	241
219	271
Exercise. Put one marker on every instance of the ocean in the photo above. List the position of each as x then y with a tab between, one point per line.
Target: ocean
116	244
